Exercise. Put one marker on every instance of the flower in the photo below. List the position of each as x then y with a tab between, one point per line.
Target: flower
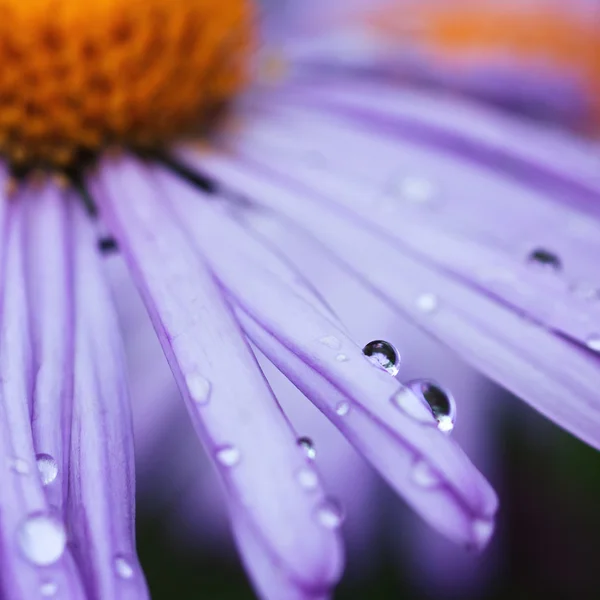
317	159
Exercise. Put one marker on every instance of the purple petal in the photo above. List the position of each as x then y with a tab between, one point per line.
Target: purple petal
554	375
334	374
228	398
50	272
102	482
33	548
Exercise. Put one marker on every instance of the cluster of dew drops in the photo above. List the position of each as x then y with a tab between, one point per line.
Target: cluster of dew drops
41	537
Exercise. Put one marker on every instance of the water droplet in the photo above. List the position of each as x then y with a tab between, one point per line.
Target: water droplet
440	402
383	354
586	291
48	589
342	409
308	446
593	342
307	478
228	456
413	406
330	514
427	303
47	468
42	539
424	475
482	532
416	189
541	257
341	358
20	466
331	342
123	567
199	388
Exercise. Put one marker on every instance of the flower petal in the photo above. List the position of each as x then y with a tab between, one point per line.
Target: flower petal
324	363
100	507
557	377
227	396
32	537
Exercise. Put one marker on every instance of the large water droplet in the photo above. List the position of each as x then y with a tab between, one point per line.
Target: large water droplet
228	455
331	342
427	303
19	466
308	446
123	567
440	401
541	257
47	468
42	539
330	513
199	388
307	478
342	409
424	475
48	589
593	342
384	355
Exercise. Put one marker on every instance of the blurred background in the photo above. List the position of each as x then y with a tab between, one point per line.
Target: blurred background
539	59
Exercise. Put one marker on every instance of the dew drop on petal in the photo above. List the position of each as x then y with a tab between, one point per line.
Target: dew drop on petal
341	358
586	291
384	355
228	455
307	478
308	446
331	342
424	475
440	401
48	589
413	406
199	388
342	409
19	466
42	539
123	567
482	531
416	189
545	259
593	342
47	468
427	303
330	514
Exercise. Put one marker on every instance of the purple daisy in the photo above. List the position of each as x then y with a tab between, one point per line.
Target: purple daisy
436	206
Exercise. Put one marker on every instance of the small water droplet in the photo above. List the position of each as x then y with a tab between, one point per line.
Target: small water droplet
427	303
384	355
331	342
482	532
341	358
586	291
342	409
42	539
48	589
593	342
424	475
541	257
307	478
440	401
47	468
413	406
199	388
330	514
19	466
308	446
123	567
416	189
228	456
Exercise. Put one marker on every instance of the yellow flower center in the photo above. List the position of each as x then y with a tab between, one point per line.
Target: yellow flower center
78	76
